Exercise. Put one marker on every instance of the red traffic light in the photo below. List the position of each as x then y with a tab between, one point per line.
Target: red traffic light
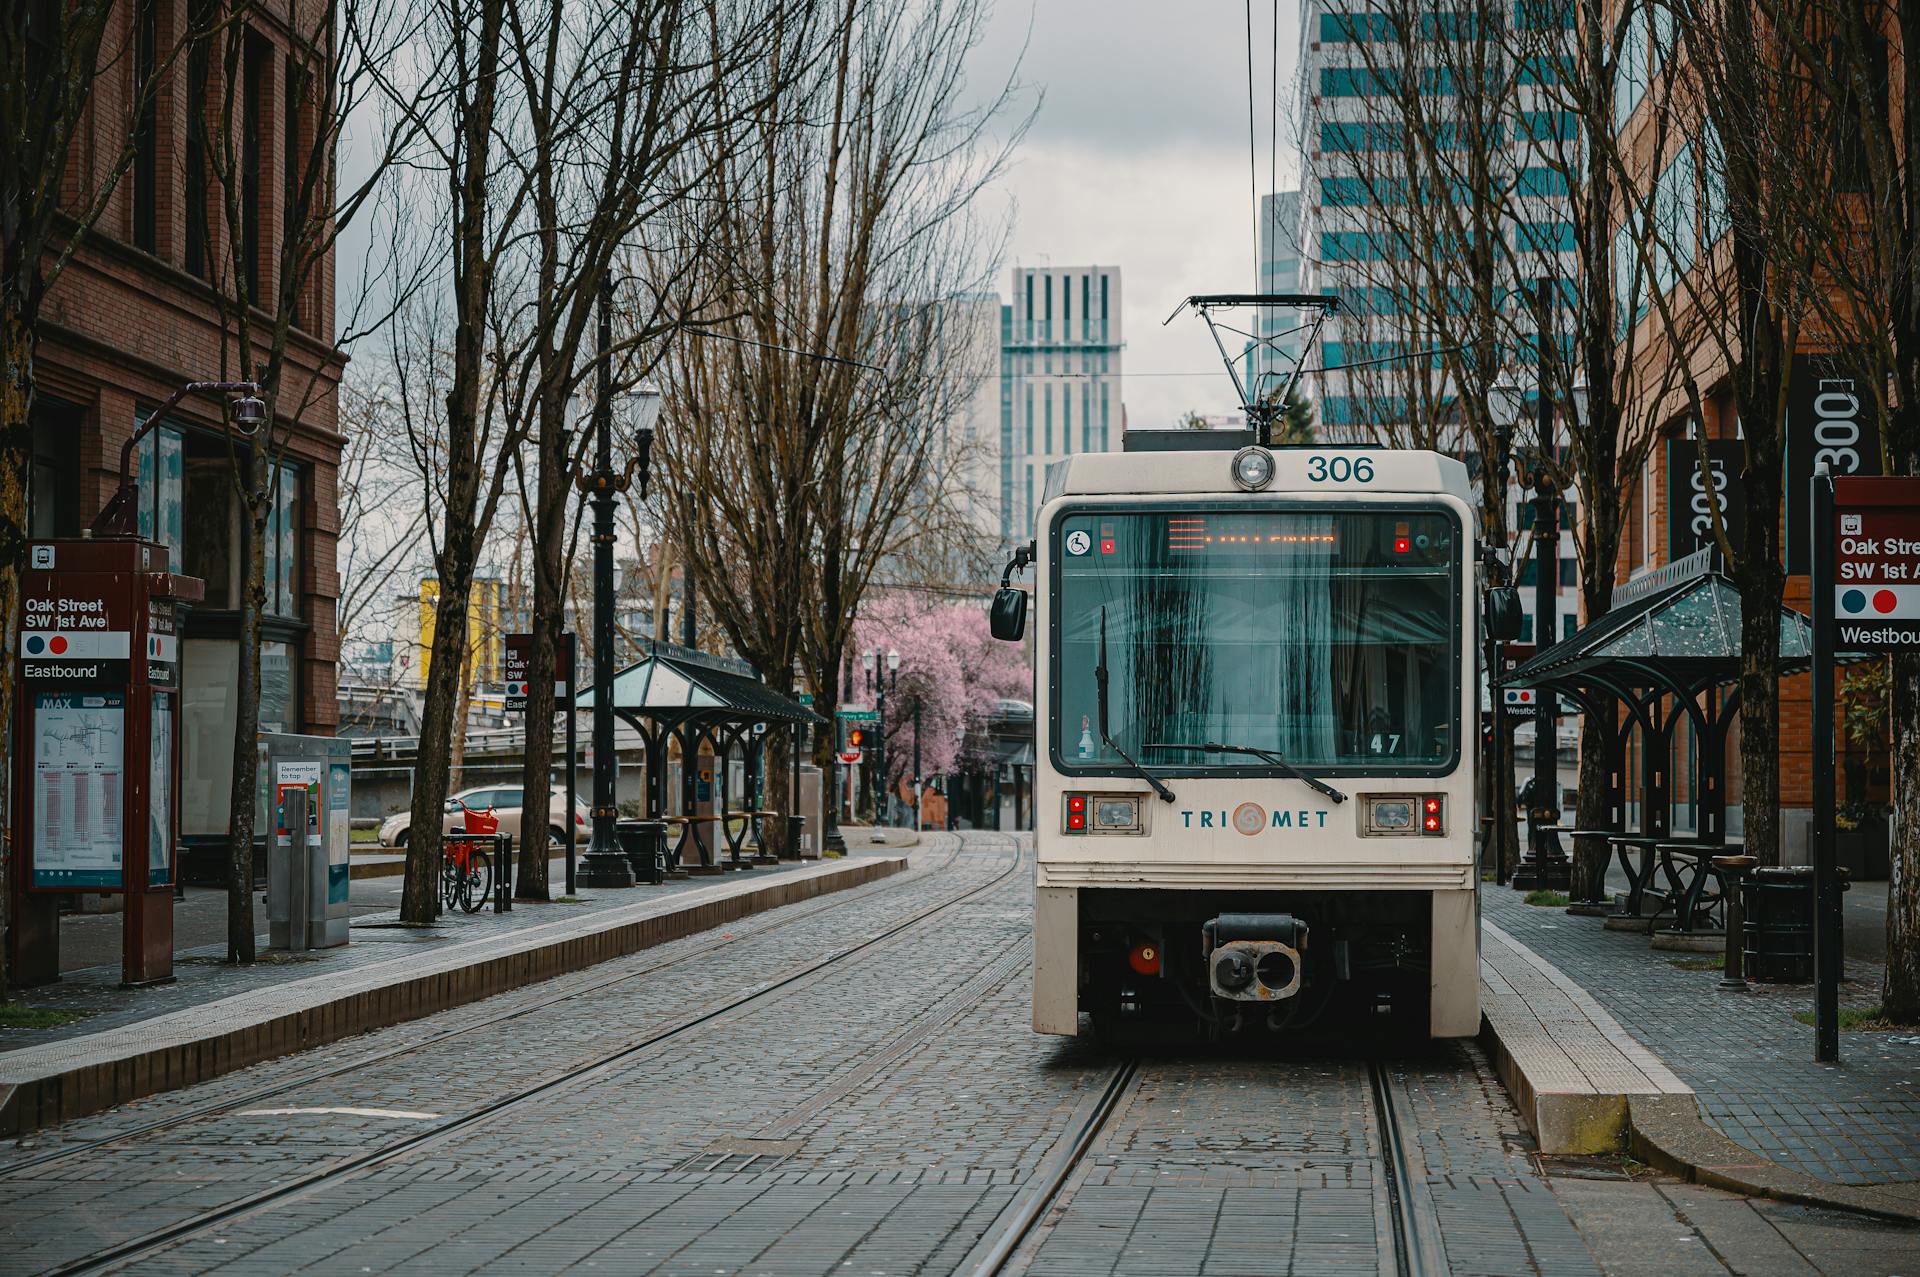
855	736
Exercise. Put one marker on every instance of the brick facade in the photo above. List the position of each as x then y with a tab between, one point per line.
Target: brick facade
126	324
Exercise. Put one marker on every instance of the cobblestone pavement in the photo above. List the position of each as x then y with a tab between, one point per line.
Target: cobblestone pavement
1749	1060
202	974
723	1104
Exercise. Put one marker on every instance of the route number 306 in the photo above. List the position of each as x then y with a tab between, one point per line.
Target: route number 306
1340	469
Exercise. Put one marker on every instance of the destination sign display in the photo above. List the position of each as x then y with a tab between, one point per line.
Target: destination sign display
1876	567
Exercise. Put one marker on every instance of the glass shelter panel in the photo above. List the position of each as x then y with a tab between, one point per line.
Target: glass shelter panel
1330	635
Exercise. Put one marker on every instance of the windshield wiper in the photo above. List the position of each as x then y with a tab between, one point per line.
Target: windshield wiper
1100	681
1274	757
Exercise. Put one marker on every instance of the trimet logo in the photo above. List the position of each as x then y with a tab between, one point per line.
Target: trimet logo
1251	818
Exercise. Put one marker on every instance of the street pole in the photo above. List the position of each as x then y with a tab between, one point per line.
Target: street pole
604	865
1827	955
878	686
917	822
573	762
1538	869
1493	839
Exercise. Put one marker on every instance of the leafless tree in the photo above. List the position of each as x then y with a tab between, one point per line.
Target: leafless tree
624	116
270	282
800	428
64	156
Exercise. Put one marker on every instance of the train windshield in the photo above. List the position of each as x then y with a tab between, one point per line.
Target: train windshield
1329	636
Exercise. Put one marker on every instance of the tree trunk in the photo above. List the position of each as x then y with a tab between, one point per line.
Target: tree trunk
1900	989
1590	810
420	897
16	446
242	819
549	619
1506	827
776	764
462	715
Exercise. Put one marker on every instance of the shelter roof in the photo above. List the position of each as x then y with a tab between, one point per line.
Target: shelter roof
1683	621
676	683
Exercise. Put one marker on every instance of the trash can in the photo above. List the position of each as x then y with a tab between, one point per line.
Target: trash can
644	844
1778	936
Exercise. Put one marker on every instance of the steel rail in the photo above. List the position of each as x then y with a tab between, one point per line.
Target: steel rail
1417	1250
1040	1196
306	1185
805	910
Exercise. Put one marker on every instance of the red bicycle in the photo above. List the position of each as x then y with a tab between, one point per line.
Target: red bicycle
466	869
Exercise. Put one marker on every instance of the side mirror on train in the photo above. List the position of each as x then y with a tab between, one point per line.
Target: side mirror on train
1503	613
1008	619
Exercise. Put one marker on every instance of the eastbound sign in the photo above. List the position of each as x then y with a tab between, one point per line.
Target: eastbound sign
519	648
1876	564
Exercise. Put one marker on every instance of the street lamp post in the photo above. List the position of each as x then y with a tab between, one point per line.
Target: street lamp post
1504	402
120	517
1540	868
604	865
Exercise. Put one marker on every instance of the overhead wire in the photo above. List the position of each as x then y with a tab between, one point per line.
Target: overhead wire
1253	152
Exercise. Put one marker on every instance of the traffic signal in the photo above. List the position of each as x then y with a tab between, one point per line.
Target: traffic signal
854	738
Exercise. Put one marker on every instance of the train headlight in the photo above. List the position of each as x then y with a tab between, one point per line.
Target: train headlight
1102	814
1253	468
1410	815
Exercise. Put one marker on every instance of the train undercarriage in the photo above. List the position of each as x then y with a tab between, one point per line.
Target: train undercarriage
1226	964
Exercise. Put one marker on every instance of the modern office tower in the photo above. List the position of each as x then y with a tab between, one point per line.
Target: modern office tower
1267	364
1060	347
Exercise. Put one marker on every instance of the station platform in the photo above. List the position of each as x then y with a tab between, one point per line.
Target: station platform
1607	1046
214	1018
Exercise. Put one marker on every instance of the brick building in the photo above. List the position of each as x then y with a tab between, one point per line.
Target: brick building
1828	414
134	316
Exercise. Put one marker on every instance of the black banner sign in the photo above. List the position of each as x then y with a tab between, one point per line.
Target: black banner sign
1829	418
1692	495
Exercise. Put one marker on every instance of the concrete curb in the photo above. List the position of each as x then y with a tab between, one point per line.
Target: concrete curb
54	1082
1668	1133
1660	1122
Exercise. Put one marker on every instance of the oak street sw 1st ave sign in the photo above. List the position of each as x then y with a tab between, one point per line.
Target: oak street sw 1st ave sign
1876	564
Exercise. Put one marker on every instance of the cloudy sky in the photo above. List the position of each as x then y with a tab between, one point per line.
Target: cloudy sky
1139	159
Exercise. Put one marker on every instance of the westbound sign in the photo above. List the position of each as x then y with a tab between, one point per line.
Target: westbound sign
1876	564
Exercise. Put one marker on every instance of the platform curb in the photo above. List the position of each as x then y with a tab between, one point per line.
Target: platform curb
1668	1133
43	1085
1666	1129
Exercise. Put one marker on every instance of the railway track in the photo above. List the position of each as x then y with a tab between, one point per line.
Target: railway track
1413	1235
523	1003
303	1186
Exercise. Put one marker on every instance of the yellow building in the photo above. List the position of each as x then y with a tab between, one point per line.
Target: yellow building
487	624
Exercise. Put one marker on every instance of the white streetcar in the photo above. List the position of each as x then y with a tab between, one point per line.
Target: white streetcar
1256	717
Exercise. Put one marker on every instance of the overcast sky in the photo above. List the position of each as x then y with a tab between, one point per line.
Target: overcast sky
1138	159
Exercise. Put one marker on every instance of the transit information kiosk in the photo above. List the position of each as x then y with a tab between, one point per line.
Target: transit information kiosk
97	769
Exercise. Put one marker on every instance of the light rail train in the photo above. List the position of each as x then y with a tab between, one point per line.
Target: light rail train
1255	767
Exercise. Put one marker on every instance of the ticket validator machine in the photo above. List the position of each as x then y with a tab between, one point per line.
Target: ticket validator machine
96	767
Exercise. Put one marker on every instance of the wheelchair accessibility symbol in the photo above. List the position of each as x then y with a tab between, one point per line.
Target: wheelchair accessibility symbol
1078	543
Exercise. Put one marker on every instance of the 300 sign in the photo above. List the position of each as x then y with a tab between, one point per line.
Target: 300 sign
1836	426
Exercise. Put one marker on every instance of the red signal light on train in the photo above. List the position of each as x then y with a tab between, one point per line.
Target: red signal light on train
1077	820
1145	958
1433	815
1402	545
1108	545
1076	802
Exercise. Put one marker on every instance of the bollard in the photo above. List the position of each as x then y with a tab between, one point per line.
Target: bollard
1733	869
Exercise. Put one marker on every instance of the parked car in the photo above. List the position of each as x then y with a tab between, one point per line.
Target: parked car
505	800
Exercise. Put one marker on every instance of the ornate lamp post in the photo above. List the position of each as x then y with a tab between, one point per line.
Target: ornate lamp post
889	678
604	865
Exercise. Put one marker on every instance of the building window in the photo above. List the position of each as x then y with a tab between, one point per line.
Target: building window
253	89
1029	420
1029	321
1046	330
1066	303
1103	308
1066	419
1630	76
197	249
1046	407
1086	295
146	137
281	546
1675	214
1714	219
160	456
1105	442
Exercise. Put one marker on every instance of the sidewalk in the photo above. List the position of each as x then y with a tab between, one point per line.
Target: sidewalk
1775	1122
215	1018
